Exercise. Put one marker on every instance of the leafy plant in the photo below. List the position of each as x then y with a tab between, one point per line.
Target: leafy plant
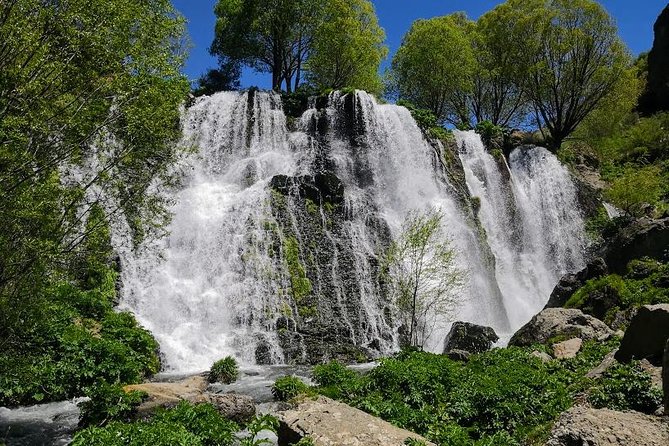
626	387
224	370
184	425
261	423
108	403
288	387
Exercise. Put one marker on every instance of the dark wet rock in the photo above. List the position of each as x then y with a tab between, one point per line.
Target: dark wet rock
570	283
656	96
647	335
469	337
557	324
458	355
643	238
665	377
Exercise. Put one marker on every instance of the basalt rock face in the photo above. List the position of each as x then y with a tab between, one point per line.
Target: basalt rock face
643	238
656	97
570	283
647	335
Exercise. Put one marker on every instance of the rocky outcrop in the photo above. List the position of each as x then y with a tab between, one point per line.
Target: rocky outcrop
469	337
570	283
560	323
656	97
239	408
582	426
331	423
647	335
643	238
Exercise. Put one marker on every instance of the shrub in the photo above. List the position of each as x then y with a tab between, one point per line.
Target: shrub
626	387
332	374
288	387
185	425
108	403
261	423
305	441
224	370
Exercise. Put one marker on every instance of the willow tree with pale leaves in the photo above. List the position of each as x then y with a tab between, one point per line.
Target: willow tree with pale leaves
422	277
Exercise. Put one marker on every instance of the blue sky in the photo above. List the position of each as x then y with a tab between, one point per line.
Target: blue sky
635	20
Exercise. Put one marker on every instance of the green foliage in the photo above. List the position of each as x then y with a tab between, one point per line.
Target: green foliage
69	342
348	48
185	425
333	373
490	132
305	441
645	284
433	68
288	387
636	187
108	403
427	121
224	370
626	387
419	269
299	282
258	424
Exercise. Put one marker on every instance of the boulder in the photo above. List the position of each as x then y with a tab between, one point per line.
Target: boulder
647	335
570	283
608	362
458	355
643	238
665	378
562	323
471	338
604	427
567	349
331	423
239	408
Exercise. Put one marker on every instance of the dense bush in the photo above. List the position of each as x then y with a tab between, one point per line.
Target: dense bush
626	387
224	370
288	387
70	341
108	403
503	397
185	425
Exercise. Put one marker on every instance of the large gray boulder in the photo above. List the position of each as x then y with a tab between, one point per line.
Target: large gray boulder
562	323
470	338
570	283
647	335
331	423
581	426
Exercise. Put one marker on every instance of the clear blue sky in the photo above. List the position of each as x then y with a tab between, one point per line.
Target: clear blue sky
635	20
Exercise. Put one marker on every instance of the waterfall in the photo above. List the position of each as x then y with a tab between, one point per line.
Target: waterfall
280	226
530	212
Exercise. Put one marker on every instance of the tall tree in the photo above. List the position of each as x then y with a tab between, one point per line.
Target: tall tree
422	275
497	96
573	58
434	66
269	35
89	108
347	47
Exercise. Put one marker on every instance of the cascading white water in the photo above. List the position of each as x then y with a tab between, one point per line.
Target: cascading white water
220	287
530	212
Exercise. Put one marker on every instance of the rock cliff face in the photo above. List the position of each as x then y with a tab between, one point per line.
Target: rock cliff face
656	97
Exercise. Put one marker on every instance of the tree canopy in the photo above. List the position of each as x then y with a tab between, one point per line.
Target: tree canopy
339	42
89	107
